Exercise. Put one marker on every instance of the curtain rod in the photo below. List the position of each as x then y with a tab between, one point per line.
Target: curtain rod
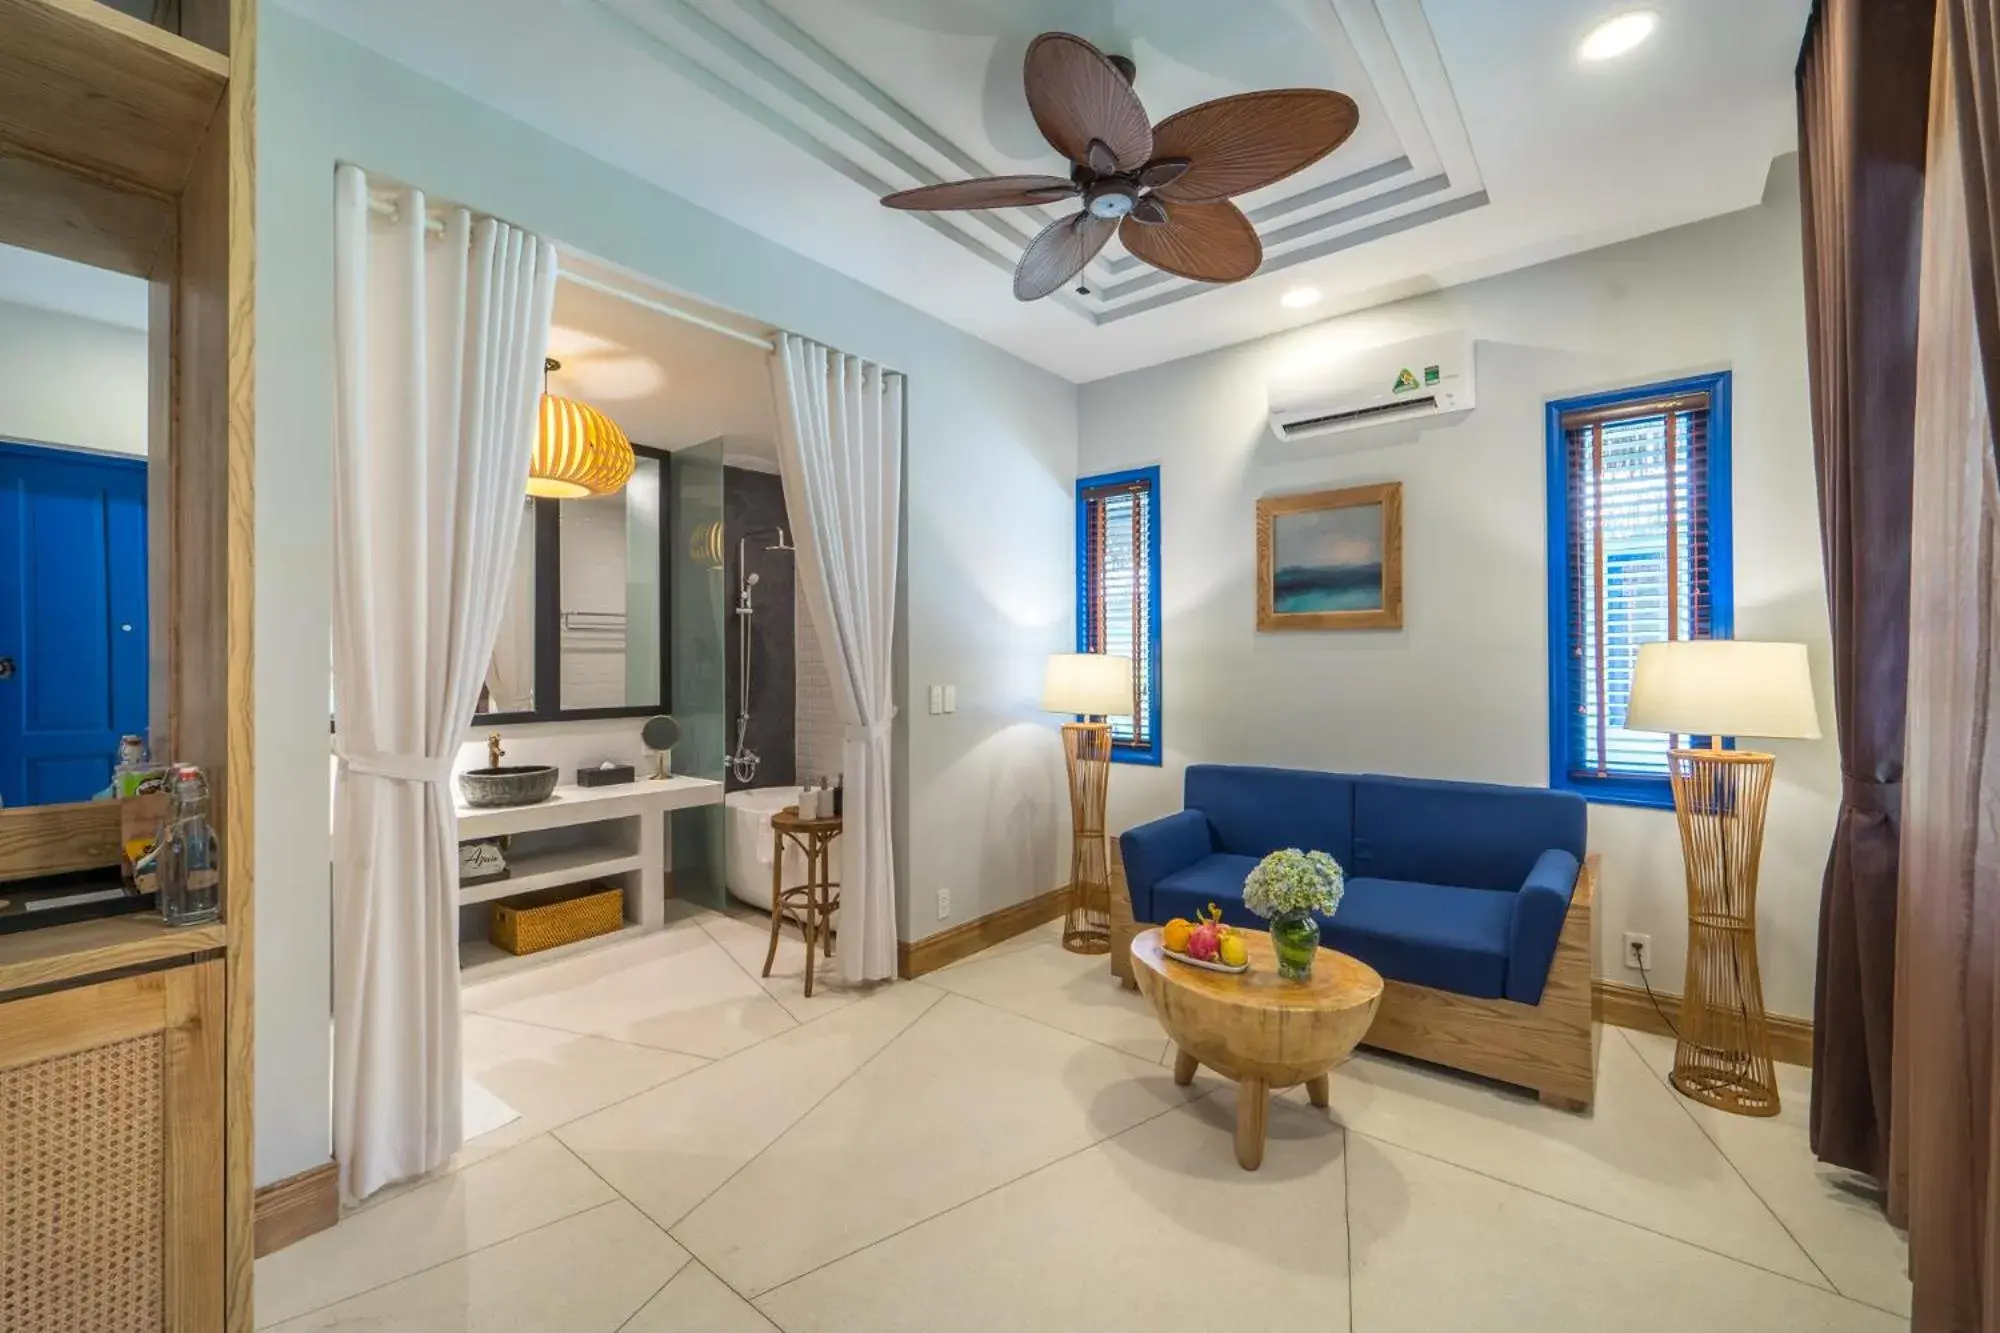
388	209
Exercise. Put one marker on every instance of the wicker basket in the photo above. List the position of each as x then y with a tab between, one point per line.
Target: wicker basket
549	917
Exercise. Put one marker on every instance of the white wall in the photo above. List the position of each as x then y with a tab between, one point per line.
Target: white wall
991	457
71	381
1461	691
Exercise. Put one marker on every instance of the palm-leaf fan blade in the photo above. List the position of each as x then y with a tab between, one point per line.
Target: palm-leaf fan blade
986	192
1077	95
1205	242
1059	253
1242	143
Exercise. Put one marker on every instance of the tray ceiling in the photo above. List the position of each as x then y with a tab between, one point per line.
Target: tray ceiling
1483	145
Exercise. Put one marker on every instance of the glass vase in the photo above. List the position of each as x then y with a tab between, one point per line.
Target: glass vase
1295	939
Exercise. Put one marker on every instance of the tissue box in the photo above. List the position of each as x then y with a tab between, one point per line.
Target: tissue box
605	777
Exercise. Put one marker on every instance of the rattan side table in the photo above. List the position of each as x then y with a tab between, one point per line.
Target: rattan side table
813	903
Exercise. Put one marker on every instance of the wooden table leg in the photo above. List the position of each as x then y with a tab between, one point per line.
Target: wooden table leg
1319	1090
812	920
826	894
1184	1067
777	897
1253	1105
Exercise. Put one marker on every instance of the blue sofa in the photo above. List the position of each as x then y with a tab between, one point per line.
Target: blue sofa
1473	902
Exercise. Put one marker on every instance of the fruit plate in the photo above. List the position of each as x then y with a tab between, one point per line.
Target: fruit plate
1202	963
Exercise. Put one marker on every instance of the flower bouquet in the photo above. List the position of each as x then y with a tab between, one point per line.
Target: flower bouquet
1293	889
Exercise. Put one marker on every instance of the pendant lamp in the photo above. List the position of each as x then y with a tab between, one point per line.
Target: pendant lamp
579	451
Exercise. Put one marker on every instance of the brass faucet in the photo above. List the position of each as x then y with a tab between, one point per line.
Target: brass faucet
493	750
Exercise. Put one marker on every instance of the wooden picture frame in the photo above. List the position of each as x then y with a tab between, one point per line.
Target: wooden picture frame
1382	610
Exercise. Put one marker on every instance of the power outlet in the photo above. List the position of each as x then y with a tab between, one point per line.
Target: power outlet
1638	951
944	903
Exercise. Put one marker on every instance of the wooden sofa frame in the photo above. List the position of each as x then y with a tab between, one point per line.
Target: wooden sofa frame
1549	1047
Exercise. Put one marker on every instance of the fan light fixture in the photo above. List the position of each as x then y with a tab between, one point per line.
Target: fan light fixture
579	451
1299	298
1618	35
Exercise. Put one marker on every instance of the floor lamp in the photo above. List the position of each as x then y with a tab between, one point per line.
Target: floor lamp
1714	689
1092	687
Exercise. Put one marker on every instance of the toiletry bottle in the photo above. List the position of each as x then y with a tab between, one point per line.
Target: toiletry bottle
189	858
839	795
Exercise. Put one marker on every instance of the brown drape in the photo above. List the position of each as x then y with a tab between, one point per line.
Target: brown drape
1946	1138
1864	84
1975	69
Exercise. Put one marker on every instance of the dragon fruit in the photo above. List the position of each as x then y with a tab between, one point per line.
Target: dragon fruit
1205	942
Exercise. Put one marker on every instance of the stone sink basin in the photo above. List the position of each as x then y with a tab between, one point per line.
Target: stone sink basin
522	784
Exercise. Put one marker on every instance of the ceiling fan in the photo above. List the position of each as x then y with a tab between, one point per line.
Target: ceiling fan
1164	189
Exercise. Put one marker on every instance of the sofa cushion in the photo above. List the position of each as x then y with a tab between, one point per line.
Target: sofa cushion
1217	879
1465	833
1437	935
1254	811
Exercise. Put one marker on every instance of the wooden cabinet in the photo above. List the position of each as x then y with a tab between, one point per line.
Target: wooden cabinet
111	1131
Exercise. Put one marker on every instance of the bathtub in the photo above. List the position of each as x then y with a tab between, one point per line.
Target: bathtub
749	845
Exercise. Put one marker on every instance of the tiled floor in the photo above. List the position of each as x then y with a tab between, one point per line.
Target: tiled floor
1000	1147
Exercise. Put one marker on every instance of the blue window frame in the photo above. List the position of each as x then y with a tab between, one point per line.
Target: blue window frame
1118	595
1639	550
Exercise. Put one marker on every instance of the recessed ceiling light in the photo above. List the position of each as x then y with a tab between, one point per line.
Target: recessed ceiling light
1298	298
1616	36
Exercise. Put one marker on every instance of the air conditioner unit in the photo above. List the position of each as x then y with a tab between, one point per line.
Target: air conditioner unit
1407	381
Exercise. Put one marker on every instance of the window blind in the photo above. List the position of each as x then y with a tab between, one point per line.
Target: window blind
1640	565
1117	546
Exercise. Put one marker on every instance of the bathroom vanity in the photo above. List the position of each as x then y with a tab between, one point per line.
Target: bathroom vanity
580	835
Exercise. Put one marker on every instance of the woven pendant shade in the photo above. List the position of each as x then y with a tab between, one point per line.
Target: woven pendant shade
579	452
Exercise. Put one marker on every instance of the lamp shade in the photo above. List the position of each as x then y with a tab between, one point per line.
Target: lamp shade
579	452
1723	687
1093	684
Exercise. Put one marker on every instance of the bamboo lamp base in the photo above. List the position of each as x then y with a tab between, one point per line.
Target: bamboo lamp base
1723	1056
1087	923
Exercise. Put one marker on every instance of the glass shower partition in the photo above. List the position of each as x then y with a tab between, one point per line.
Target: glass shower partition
700	684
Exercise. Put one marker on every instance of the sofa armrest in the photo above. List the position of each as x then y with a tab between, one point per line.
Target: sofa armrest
1539	911
1154	851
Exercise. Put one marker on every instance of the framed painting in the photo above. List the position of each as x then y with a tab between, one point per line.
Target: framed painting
1331	559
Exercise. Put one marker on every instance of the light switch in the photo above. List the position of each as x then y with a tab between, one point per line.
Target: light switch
951	698
937	700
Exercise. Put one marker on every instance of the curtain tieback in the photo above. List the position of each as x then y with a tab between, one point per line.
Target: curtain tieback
1871	797
397	767
874	731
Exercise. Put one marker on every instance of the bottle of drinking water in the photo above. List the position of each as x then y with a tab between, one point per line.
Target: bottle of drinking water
189	857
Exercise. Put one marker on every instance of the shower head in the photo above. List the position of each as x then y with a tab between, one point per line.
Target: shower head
751	581
784	543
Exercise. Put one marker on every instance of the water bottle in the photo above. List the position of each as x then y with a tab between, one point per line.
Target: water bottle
189	857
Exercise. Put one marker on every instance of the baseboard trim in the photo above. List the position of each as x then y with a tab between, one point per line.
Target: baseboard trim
291	1209
916	957
1628	1007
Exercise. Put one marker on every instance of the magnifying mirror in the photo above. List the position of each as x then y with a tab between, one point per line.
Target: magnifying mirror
660	735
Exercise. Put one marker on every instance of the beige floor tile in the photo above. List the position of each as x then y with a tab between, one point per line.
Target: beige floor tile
1636	1156
525	1187
586	1274
1830	1212
1075	992
676	990
554	1077
696	1301
668	1149
1156	1229
747	938
1438	1247
965	1100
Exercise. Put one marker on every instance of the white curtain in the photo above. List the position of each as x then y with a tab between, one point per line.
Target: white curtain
510	681
439	346
840	452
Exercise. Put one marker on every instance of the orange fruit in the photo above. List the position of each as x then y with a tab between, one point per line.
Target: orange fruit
1174	935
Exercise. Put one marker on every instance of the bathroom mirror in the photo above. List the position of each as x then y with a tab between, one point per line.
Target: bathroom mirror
580	636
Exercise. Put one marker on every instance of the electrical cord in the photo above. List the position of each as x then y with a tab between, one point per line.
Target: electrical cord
1646	978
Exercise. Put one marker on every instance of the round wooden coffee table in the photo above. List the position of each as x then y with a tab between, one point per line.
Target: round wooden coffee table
1257	1028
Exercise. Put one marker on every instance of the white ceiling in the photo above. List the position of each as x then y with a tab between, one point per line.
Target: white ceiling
668	383
1484	143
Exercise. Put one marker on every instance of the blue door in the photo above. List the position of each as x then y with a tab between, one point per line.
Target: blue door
72	619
